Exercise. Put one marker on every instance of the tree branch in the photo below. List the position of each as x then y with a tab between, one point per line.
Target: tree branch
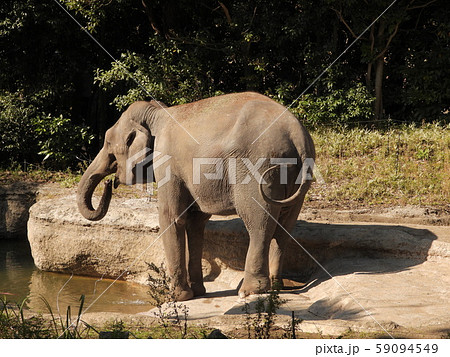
226	12
388	42
151	17
341	18
420	6
372	38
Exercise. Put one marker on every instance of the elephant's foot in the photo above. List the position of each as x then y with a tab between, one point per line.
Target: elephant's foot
183	294
254	285
198	289
277	283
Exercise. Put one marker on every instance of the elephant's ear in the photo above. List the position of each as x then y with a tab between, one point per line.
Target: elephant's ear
130	138
152	143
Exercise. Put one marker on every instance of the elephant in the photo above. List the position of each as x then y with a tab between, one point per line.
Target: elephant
216	149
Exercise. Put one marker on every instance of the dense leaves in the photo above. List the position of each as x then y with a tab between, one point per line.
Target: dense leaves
60	91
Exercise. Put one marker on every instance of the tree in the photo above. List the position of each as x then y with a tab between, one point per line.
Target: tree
47	77
376	47
181	51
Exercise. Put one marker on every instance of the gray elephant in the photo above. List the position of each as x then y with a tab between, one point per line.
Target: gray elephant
233	154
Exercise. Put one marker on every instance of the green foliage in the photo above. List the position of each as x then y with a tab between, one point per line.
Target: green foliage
115	330
17	139
182	51
27	134
47	67
59	140
171	314
68	328
260	319
339	108
14	324
169	74
92	11
425	71
291	328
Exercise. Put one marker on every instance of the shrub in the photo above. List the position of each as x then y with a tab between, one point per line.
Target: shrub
17	141
341	107
60	141
29	134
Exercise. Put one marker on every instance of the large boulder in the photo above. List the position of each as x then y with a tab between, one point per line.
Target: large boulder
119	246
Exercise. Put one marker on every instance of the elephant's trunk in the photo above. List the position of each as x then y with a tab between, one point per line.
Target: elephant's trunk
96	171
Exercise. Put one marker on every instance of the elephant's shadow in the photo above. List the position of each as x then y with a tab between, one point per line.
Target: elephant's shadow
320	251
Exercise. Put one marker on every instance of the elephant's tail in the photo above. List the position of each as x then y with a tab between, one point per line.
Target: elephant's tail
296	198
307	153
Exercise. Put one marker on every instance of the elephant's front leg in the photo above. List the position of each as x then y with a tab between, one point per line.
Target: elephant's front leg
174	242
195	228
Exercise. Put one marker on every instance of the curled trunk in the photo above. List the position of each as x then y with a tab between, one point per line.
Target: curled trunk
98	169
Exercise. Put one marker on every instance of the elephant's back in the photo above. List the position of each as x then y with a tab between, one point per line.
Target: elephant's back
215	108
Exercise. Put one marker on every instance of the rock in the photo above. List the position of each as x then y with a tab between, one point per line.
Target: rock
116	247
120	245
15	201
114	335
216	334
406	214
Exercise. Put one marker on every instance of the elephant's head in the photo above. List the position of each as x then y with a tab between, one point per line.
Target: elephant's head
125	143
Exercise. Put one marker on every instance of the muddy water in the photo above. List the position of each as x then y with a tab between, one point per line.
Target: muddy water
20	279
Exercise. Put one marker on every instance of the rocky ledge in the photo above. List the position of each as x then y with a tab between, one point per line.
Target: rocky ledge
121	245
399	273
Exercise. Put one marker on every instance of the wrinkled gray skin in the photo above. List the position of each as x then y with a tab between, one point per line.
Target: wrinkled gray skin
224	127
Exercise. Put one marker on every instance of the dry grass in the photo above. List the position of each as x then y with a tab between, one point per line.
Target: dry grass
362	167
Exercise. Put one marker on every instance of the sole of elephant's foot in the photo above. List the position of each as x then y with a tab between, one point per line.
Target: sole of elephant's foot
198	289
183	295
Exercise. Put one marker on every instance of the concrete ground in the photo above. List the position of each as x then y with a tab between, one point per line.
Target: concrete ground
368	294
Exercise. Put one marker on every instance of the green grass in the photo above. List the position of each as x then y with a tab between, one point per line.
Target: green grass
14	324
17	322
406	165
36	175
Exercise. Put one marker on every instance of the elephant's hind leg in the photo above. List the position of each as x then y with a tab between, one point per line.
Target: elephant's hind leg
279	244
195	228
282	236
260	227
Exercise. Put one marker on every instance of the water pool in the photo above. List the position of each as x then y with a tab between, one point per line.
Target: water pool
20	279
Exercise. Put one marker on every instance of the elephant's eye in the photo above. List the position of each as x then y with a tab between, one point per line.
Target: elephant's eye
130	138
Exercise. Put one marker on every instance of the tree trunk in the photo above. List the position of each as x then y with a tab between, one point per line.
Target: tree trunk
379	69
